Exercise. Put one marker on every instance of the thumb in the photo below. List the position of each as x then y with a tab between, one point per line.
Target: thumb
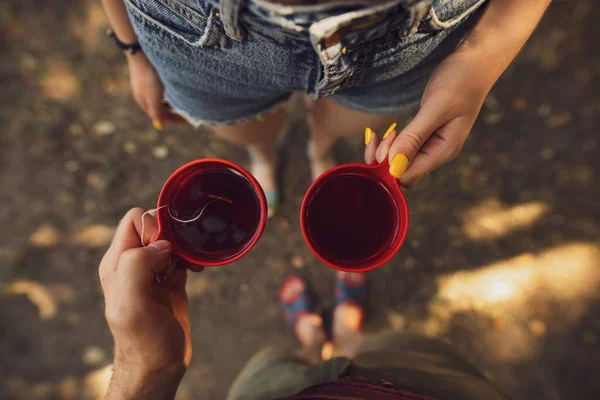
138	266
158	113
412	138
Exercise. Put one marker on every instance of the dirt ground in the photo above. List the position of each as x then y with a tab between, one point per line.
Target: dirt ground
501	258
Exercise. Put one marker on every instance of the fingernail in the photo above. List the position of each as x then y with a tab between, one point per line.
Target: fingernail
157	125
368	136
160	245
398	165
390	129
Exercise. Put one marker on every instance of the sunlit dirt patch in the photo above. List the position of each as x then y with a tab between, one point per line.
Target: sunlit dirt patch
95	236
96	382
45	235
59	82
565	272
89	27
504	292
491	220
38	294
92	387
46	298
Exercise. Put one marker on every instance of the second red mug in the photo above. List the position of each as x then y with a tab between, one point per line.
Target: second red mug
354	217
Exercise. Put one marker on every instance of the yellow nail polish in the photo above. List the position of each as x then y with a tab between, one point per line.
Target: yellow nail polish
398	165
390	129
368	136
157	125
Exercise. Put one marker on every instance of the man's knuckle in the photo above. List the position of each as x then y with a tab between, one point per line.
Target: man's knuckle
134	212
116	316
121	315
132	257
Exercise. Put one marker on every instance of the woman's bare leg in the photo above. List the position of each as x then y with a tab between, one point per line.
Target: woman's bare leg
330	122
259	138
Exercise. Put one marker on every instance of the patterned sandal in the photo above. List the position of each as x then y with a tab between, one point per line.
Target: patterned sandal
351	288
294	299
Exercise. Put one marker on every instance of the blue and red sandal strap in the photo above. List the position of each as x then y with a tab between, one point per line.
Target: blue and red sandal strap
351	287
294	299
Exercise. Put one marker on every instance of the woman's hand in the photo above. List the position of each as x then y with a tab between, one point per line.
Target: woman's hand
148	91
456	90
449	107
149	321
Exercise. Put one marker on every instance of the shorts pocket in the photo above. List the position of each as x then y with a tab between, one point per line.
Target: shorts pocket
170	17
446	14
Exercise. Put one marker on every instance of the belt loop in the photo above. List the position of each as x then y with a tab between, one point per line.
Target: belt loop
230	16
419	11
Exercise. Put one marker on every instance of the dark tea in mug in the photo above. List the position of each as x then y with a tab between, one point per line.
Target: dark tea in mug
230	213
351	219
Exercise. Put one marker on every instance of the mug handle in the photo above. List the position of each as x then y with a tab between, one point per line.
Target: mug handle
382	170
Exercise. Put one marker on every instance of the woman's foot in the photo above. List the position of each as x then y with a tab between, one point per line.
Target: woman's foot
265	172
350	300
320	161
298	310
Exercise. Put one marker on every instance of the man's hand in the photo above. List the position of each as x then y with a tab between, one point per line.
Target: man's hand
149	321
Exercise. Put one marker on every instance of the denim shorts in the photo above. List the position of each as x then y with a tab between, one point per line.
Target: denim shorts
228	61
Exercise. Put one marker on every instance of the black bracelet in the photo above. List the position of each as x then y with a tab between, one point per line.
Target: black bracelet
130	48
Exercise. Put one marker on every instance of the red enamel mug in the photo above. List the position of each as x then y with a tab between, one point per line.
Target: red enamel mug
354	217
212	211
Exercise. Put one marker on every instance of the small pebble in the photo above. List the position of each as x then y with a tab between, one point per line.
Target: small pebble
244	288
160	152
544	110
104	128
90	206
93	355
547	154
68	388
29	62
519	104
475	160
492	103
297	262
76	129
45	236
493	118
284	224
72	166
73	319
537	327
396	321
96	180
129	147
559	120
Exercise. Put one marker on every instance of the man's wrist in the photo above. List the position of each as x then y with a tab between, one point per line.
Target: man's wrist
130	381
